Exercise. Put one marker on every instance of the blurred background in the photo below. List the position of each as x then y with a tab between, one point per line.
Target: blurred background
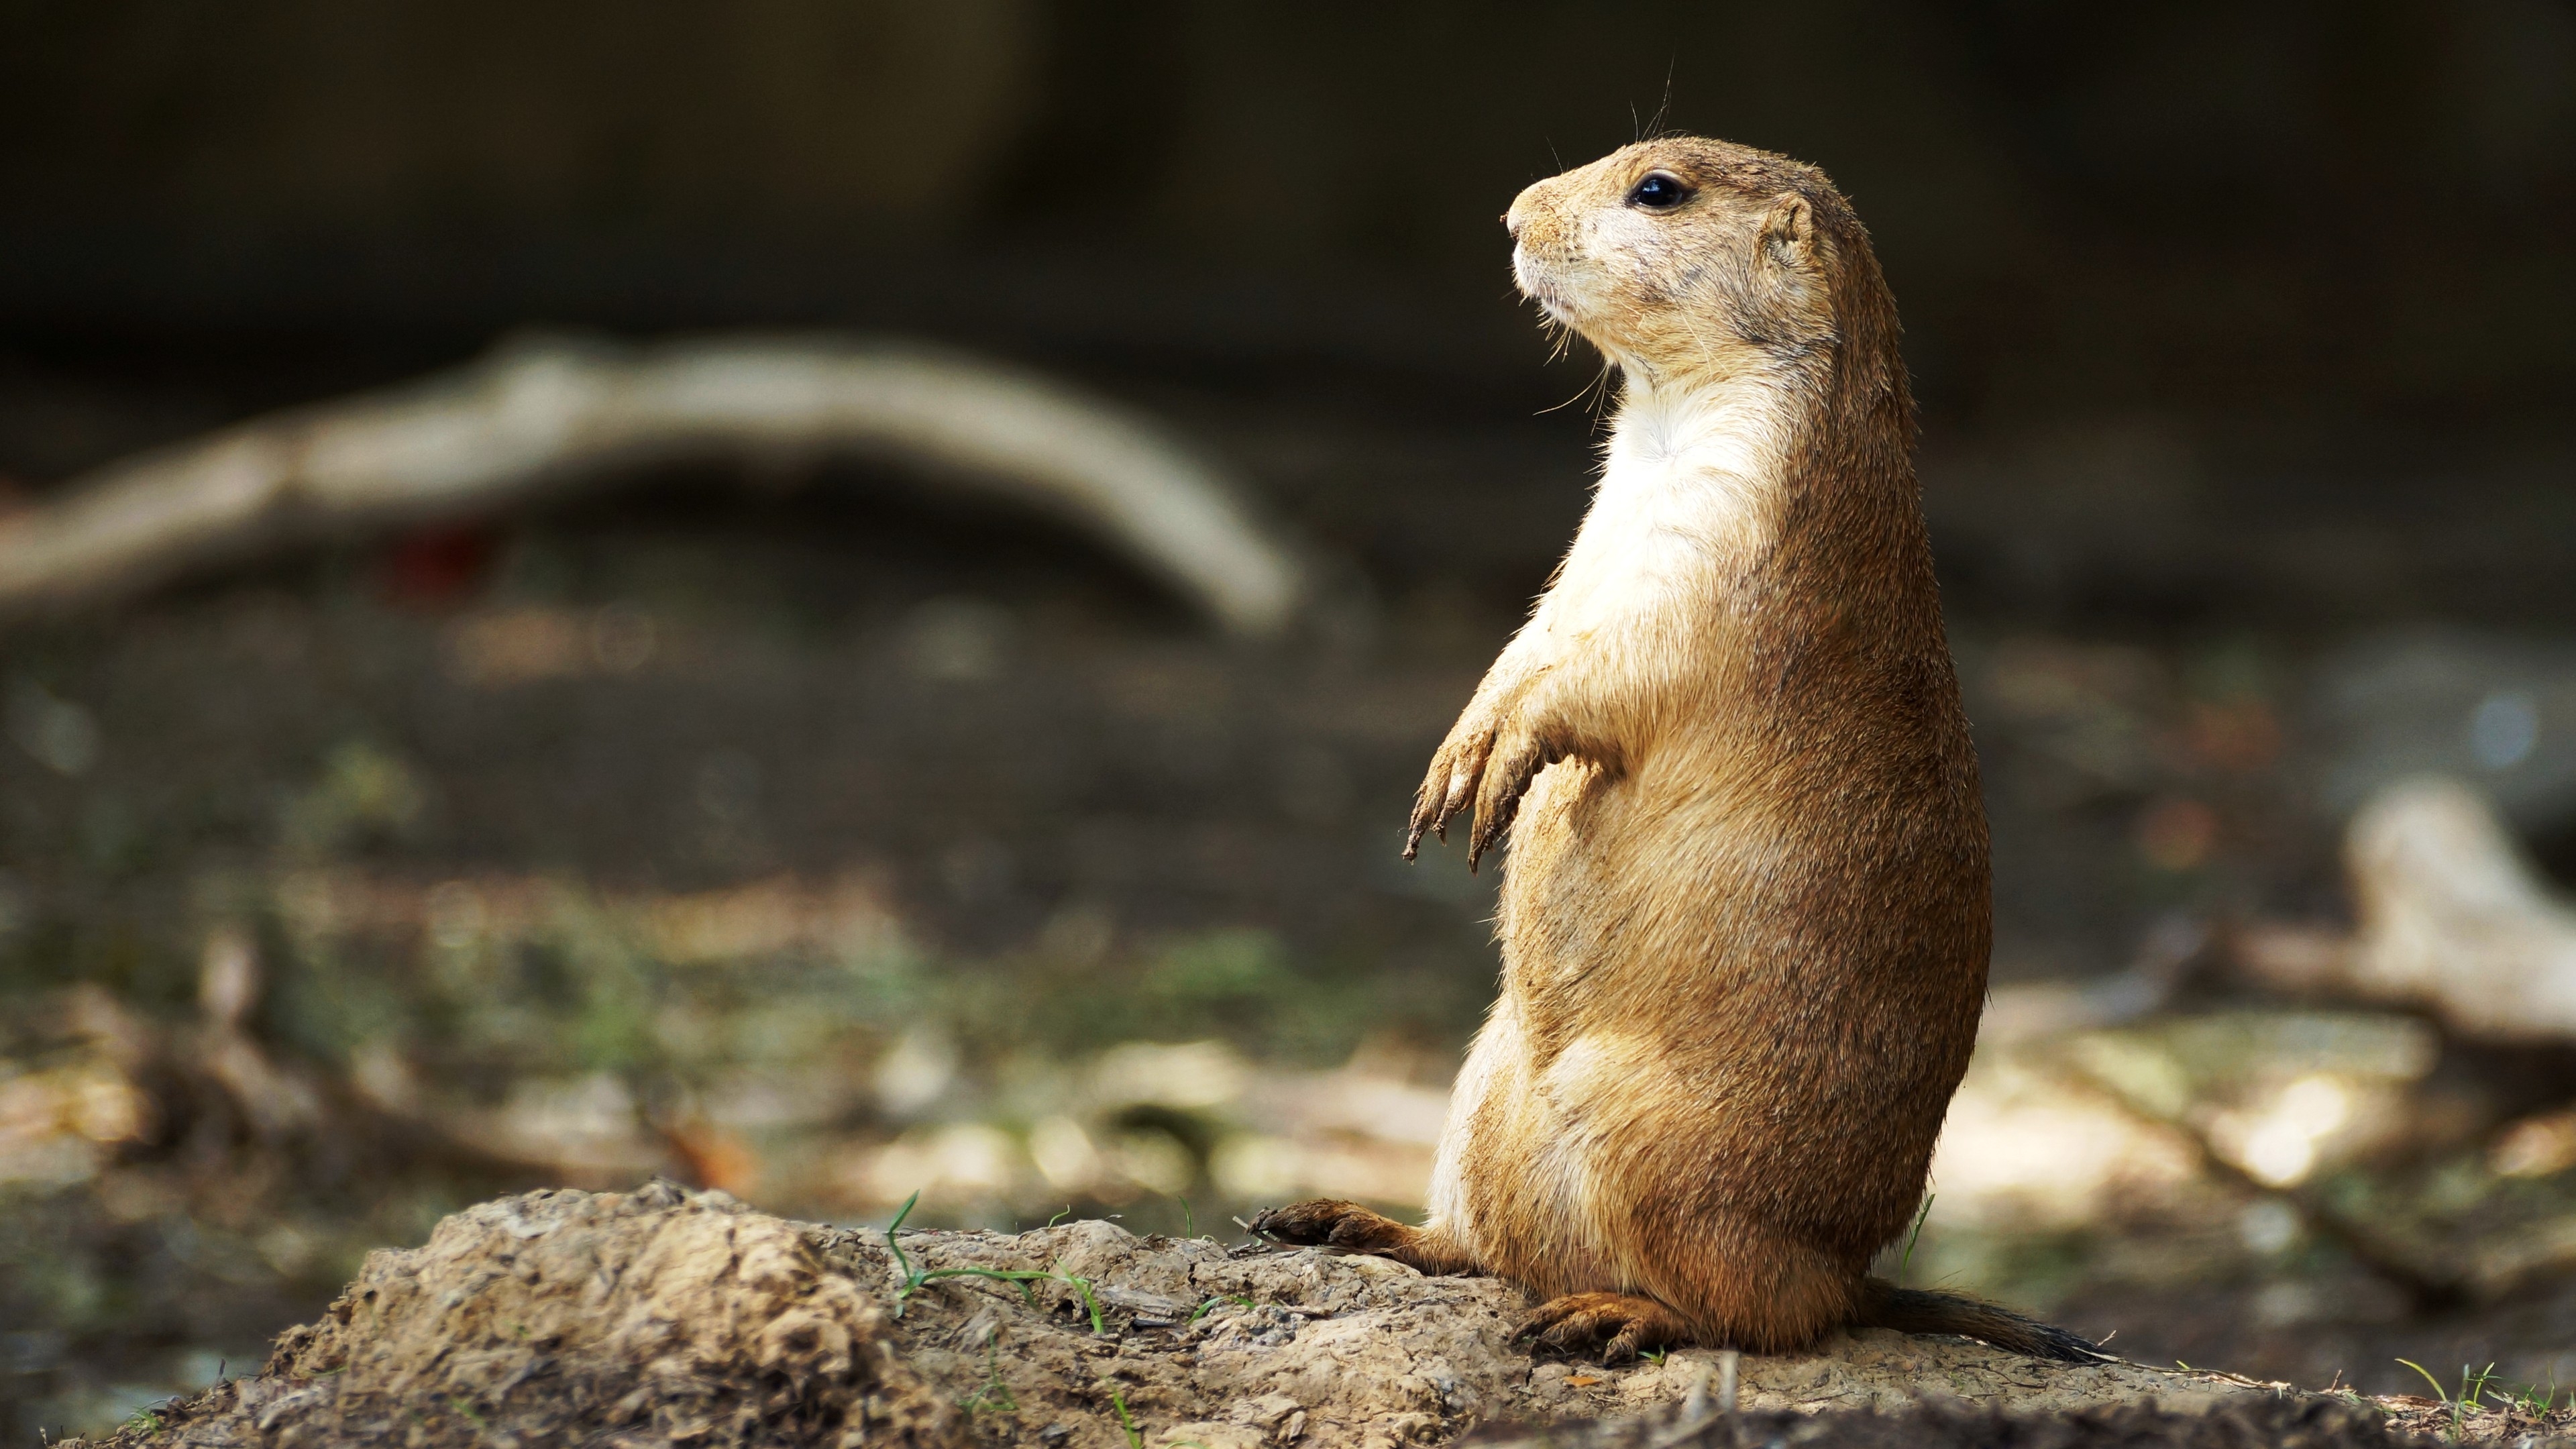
799	822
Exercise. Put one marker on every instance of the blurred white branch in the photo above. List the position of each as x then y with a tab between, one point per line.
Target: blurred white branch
2452	915
2453	920
544	415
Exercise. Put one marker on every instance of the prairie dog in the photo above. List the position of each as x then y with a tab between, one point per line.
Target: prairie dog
1746	912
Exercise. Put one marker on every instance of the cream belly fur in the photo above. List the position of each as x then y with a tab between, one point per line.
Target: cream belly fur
1746	914
1685	499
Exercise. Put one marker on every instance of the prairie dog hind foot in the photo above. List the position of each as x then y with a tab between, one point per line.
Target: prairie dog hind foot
1325	1222
1620	1325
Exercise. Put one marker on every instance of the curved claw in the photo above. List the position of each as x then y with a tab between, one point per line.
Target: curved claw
1430	816
1425	820
1491	826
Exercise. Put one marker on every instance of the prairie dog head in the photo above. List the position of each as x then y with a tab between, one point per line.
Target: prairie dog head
1681	257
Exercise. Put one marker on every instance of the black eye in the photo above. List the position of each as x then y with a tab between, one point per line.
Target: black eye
1660	191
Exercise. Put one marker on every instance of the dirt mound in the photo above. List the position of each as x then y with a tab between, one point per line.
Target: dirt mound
663	1317
656	1317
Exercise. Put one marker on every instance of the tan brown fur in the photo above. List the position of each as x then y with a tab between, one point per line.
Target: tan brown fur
1745	916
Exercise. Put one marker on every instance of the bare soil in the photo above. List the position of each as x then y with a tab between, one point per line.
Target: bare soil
666	1317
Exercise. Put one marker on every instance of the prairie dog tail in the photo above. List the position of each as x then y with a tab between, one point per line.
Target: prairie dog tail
1922	1310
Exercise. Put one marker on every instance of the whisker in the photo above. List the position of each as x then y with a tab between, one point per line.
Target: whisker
1655	128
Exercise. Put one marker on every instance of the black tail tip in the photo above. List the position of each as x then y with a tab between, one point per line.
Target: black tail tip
2048	1341
1918	1310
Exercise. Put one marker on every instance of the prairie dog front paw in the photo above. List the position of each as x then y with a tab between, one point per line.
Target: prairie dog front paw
1487	763
1457	768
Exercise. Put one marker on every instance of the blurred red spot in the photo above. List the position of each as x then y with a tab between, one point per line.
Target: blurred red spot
437	567
2241	736
2177	834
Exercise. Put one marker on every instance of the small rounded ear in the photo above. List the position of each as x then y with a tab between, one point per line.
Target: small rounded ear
1789	232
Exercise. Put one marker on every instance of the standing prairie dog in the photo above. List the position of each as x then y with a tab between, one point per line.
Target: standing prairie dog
1746	913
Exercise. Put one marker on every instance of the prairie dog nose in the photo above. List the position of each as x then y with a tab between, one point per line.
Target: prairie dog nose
1524	206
